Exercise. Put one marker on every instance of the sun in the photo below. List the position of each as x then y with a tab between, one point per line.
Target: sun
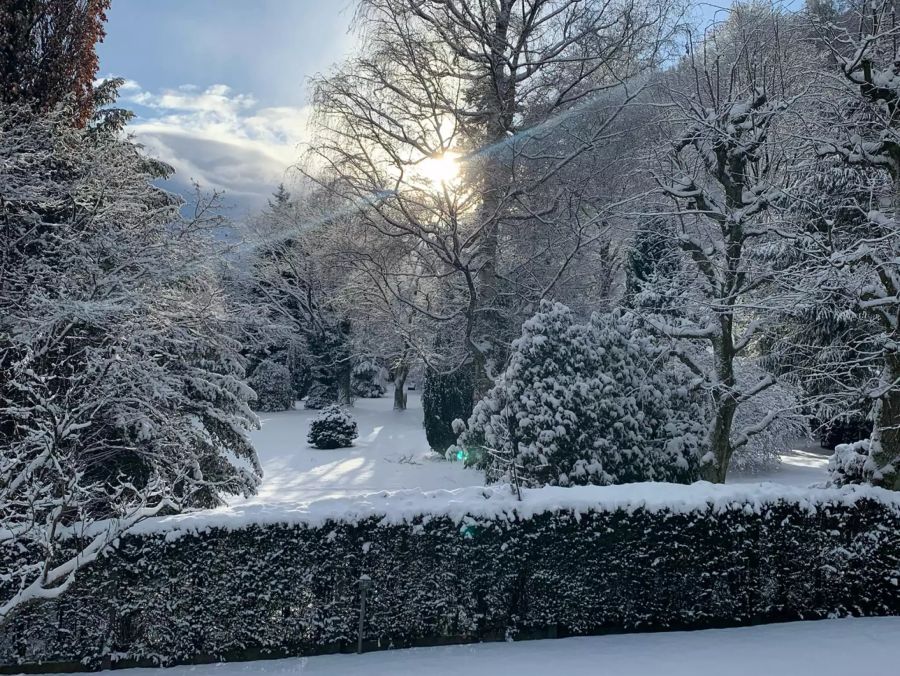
440	169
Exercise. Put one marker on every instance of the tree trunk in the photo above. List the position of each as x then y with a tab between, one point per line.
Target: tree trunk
725	404
883	466
400	374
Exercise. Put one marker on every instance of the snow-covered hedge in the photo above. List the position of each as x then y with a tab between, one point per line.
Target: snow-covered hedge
471	564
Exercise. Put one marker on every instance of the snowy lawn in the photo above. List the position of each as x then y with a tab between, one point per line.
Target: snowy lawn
391	453
826	648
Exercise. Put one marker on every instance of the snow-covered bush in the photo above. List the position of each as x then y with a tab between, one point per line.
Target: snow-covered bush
367	380
272	383
847	464
333	427
319	396
445	397
471	566
594	403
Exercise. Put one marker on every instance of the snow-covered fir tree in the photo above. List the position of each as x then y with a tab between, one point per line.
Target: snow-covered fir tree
120	391
587	403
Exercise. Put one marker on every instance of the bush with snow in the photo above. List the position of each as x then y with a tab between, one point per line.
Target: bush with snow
320	396
272	383
847	464
592	403
367	380
333	427
445	398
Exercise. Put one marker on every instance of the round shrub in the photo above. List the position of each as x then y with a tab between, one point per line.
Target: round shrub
586	403
333	427
272	383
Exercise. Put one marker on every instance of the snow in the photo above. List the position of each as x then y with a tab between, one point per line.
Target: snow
392	454
866	645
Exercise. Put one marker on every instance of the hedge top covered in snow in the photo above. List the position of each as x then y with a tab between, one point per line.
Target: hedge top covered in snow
497	502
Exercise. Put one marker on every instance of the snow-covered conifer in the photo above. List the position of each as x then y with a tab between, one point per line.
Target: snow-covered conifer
120	391
333	427
587	403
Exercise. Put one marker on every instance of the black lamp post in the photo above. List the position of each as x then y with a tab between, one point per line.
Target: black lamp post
365	583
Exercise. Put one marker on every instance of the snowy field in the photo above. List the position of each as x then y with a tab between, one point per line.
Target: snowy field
391	453
826	648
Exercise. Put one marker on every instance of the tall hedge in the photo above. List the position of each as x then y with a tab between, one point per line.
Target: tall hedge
289	588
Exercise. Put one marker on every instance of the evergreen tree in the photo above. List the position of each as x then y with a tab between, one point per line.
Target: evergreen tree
446	397
121	393
333	427
595	403
272	383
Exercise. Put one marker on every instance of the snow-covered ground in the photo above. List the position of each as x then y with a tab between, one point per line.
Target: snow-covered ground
392	454
826	648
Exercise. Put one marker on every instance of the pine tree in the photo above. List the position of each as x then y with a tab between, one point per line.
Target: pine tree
121	393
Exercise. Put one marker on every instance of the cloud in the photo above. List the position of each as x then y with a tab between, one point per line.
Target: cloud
222	139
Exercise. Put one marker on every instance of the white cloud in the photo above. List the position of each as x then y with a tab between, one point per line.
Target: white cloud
218	137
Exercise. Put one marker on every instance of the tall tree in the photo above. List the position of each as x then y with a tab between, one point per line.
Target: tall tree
512	94
120	393
47	52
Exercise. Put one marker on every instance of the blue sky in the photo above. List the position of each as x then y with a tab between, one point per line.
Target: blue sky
219	86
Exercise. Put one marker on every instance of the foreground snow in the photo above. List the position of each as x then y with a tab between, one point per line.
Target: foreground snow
392	454
826	648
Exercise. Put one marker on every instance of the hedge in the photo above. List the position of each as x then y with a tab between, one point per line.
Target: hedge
461	568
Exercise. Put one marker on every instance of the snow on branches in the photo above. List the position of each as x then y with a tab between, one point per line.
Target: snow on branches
120	394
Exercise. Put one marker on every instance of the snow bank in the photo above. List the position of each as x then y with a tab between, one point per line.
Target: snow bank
498	502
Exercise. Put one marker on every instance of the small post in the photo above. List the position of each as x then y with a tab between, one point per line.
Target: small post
365	582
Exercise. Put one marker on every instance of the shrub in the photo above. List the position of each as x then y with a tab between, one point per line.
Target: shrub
320	396
366	381
472	566
595	403
445	398
272	383
333	427
847	464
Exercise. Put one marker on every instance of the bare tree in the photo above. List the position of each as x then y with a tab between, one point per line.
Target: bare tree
453	128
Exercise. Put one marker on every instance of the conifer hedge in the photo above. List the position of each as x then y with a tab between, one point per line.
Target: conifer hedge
290	588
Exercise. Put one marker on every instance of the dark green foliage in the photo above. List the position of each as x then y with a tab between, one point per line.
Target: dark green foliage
653	263
333	427
272	383
365	380
287	589
445	398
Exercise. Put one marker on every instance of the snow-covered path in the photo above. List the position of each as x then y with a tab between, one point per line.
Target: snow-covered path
826	648
392	454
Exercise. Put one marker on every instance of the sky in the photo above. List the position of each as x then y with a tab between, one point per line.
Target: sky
219	87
